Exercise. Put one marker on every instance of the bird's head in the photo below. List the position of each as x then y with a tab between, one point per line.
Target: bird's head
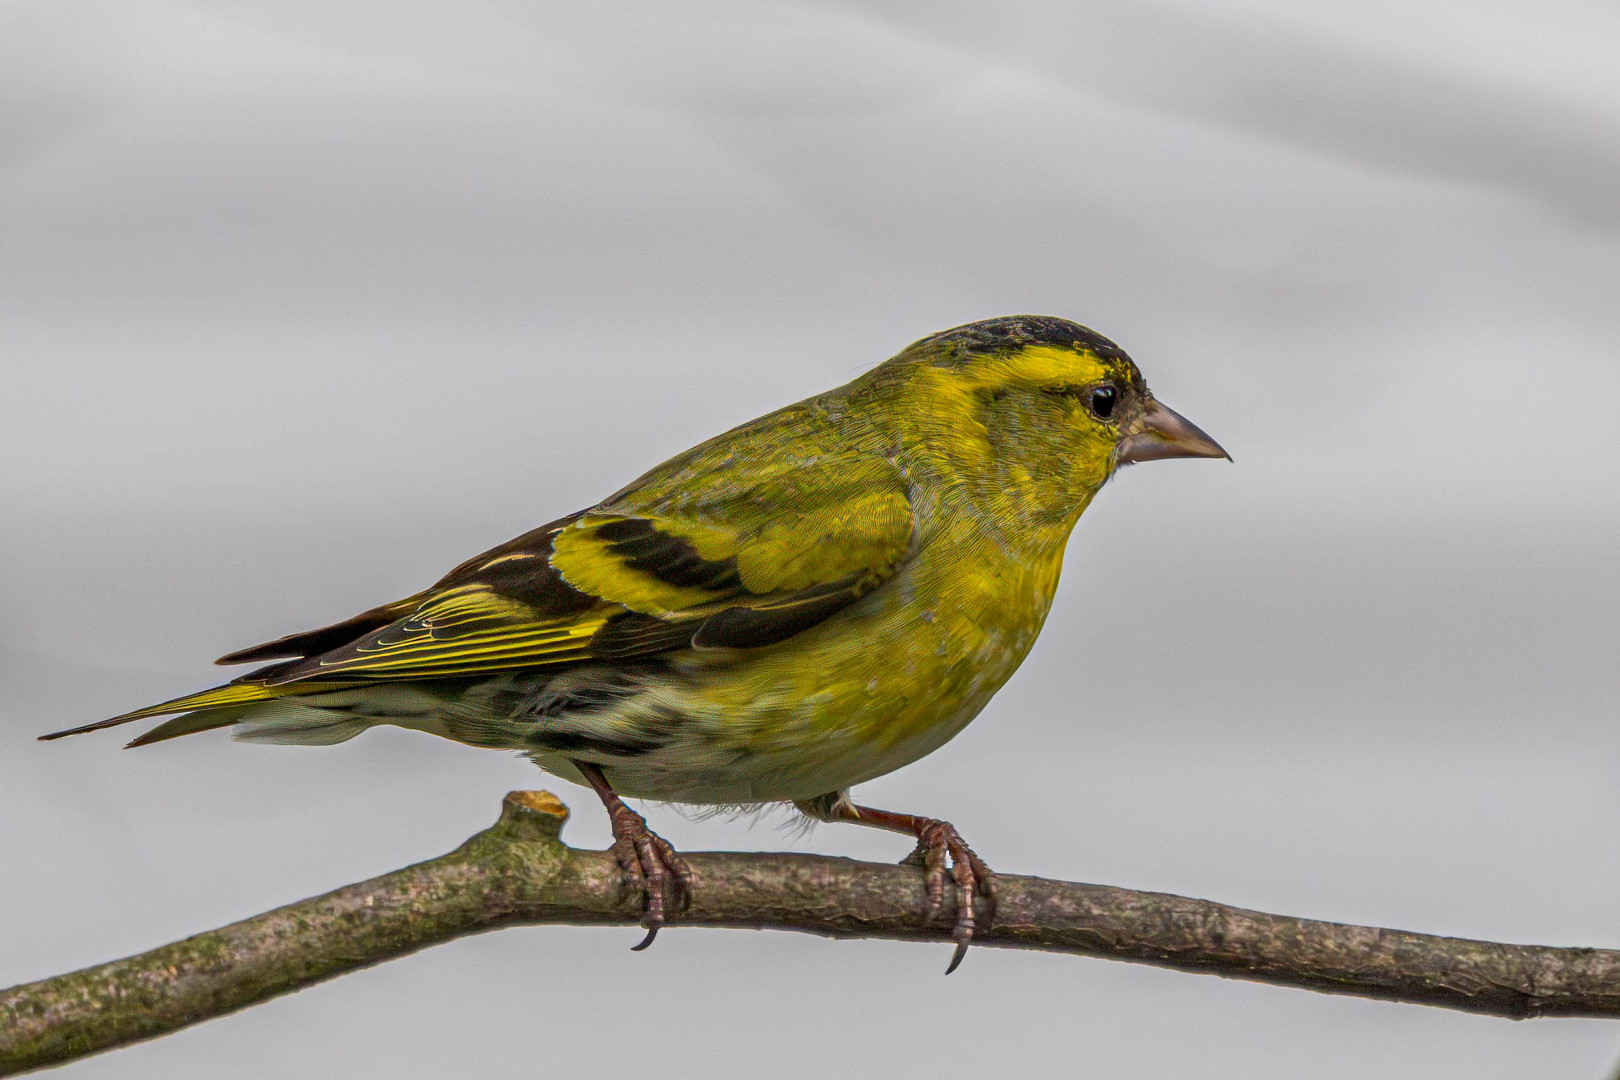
1036	412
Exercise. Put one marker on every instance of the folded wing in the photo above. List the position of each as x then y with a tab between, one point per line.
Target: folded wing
742	565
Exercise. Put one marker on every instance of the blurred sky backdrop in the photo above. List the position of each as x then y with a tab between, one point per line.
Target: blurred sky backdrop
302	303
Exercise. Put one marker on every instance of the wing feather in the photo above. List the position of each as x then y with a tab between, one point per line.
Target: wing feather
744	566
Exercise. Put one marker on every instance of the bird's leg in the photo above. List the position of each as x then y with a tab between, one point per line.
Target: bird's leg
937	842
652	865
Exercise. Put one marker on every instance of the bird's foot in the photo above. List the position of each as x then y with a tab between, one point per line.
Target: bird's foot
938	842
652	866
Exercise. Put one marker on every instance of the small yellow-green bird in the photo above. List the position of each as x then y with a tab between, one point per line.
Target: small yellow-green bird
803	603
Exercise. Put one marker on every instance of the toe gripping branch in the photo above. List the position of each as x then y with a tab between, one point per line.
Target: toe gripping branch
938	844
938	841
655	868
652	865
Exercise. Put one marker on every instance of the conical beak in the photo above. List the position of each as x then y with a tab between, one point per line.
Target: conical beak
1165	433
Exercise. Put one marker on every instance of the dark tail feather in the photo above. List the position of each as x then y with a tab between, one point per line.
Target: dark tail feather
190	723
315	642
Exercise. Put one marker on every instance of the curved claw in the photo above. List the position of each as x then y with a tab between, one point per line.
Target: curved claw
938	841
652	866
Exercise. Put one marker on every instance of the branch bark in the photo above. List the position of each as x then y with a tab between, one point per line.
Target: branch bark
519	872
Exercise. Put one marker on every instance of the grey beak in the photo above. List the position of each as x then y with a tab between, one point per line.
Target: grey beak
1164	433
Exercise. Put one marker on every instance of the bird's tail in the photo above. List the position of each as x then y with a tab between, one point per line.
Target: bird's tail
267	713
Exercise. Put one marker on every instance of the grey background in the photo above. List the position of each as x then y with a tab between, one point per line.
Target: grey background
302	303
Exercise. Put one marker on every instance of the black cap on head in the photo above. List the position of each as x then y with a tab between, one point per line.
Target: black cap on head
1018	331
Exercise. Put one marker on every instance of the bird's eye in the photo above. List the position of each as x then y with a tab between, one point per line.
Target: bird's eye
1100	400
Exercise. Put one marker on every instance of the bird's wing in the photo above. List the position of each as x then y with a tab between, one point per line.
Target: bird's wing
727	563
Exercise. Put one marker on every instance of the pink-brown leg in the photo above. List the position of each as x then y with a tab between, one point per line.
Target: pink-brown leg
652	865
938	842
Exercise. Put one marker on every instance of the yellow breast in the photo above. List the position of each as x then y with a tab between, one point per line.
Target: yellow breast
886	681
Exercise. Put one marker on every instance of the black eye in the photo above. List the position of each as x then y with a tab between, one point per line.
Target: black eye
1100	400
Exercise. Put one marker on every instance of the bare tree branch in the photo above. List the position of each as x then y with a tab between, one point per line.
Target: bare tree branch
519	872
